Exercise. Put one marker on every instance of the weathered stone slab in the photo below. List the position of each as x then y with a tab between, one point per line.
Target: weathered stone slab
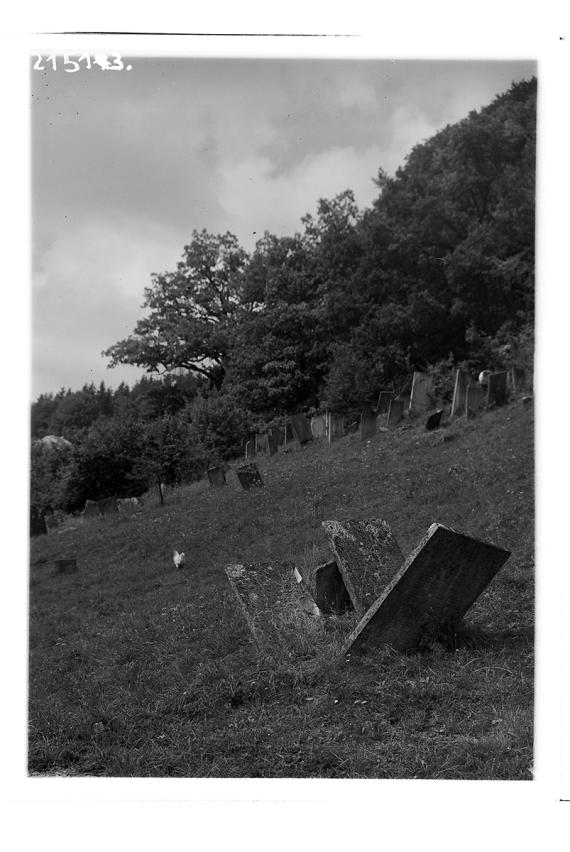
262	444
269	596
383	404
462	382
250	449
335	426
92	510
497	389
217	476
367	424
434	420
434	588
474	400
421	398
66	566
249	476
328	589
272	443
319	426
301	428
517	379
367	555
395	412
108	506
51	522
37	522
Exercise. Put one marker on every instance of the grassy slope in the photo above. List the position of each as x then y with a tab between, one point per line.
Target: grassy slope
139	669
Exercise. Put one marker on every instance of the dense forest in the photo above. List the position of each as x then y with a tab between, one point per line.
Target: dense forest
437	273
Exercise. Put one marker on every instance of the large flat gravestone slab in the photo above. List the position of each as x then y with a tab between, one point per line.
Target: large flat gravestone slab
328	589
319	426
434	588
421	398
462	382
367	555
250	449
108	505
301	428
249	476
497	389
434	420
474	400
383	404
217	476
367	424
268	595
395	412
335	426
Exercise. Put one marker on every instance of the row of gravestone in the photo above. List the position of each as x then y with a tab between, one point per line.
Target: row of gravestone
403	603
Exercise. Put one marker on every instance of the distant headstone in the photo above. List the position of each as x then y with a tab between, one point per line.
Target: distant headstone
432	591
383	404
250	449
367	424
367	555
328	589
266	591
66	566
335	426
434	420
301	428
51	522
272	443
91	510
288	434
421	398
518	379
37	522
217	476
262	444
249	476
129	503
395	412
108	505
462	382
474	400
497	389
319	426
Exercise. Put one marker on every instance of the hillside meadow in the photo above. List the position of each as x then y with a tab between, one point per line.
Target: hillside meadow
139	669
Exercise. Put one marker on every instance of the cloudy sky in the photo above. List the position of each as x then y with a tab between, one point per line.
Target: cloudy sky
126	164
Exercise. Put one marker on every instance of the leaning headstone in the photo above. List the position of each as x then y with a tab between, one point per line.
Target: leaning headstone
268	595
319	426
367	424
431	592
497	389
301	428
91	510
395	412
328	589
367	555
217	476
421	399
52	524
517	377
335	426
462	382
249	475
434	420
108	505
66	566
474	400
250	450
383	404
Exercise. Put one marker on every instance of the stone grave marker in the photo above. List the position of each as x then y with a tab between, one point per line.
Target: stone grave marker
434	420
272	443
51	522
108	505
91	510
395	412
421	398
367	555
462	382
383	404
262	444
319	426
249	475
217	476
250	449
268	594
367	424
335	426
518	379
37	522
497	389
66	566
301	428
432	591
474	400
328	590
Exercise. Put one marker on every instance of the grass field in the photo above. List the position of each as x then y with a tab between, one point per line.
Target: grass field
139	669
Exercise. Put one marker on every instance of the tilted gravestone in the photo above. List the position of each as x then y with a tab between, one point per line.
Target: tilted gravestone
301	428
335	426
367	424
462	382
250	449
108	505
269	597
474	400
434	420
217	476
421	398
383	404
328	589
395	412
367	555
497	389
92	510
431	592
249	475
319	426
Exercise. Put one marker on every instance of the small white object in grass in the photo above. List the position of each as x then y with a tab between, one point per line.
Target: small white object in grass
178	559
298	576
